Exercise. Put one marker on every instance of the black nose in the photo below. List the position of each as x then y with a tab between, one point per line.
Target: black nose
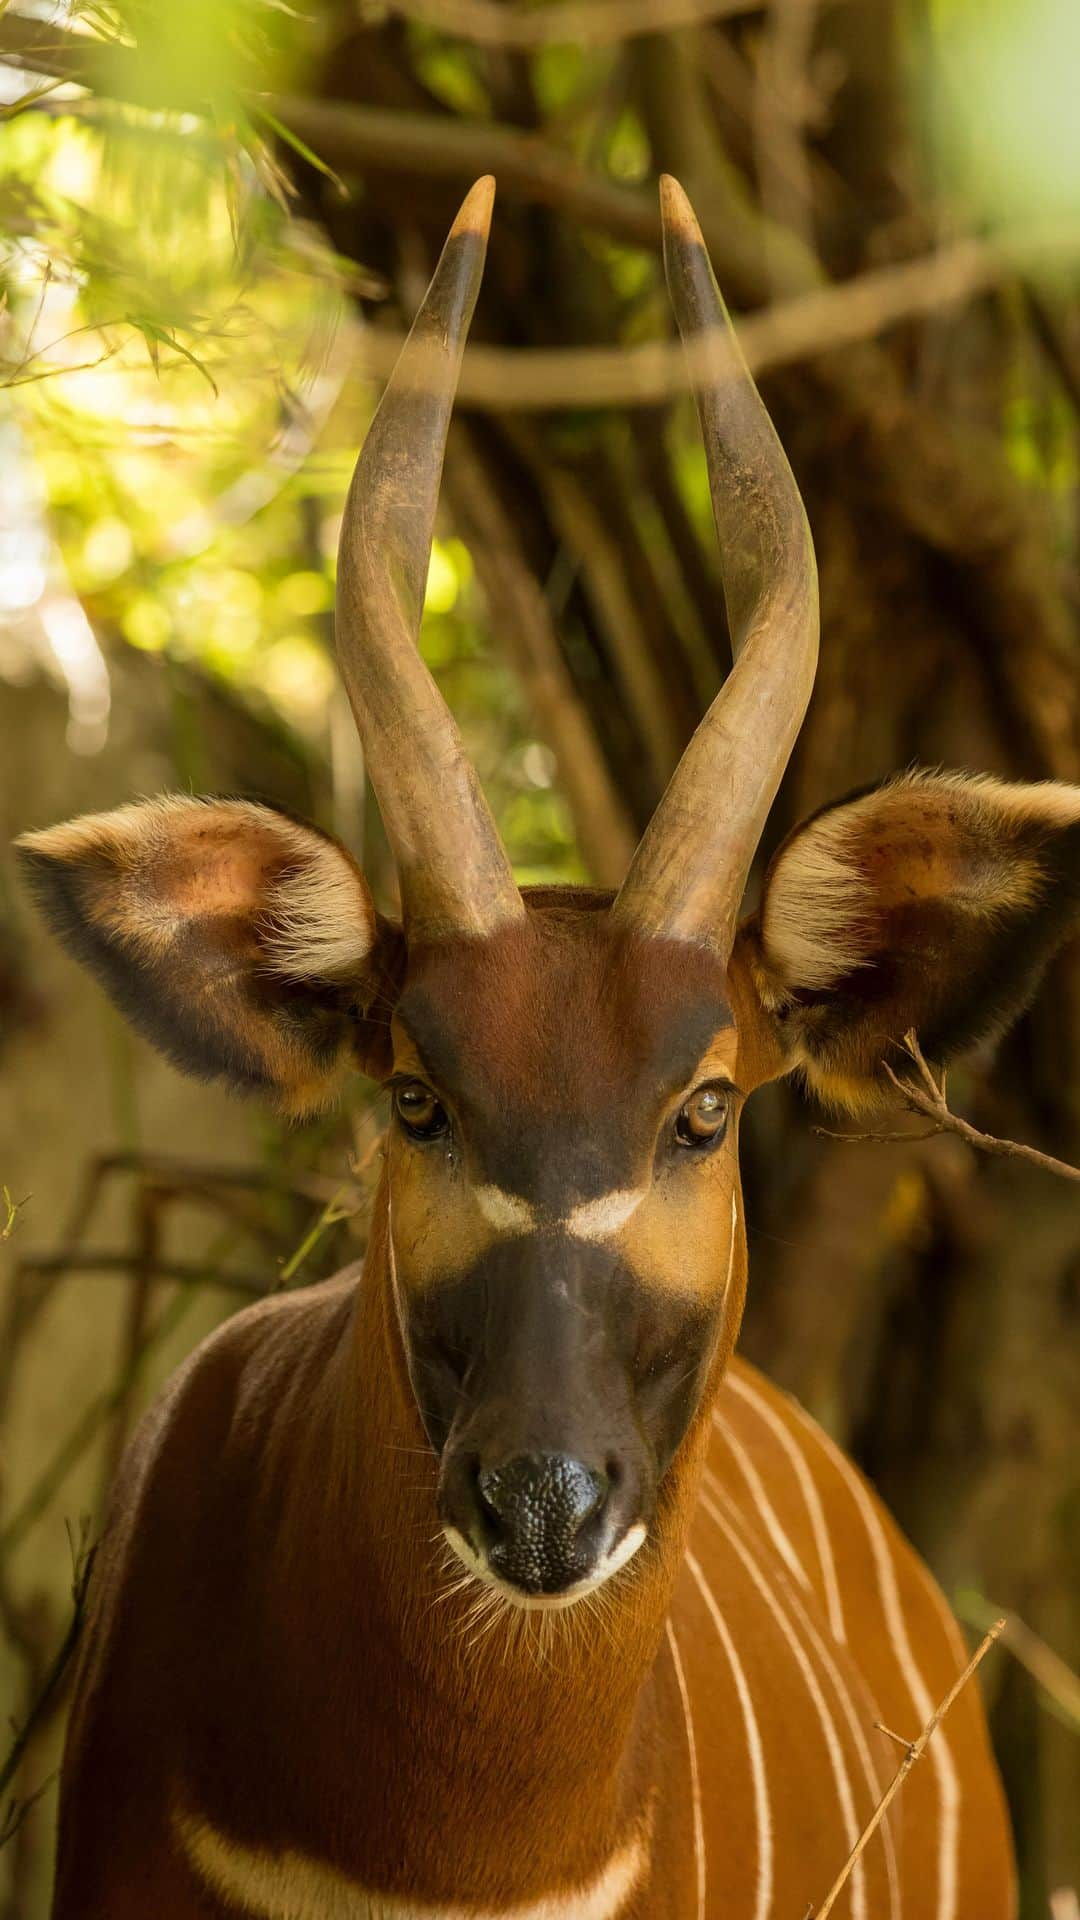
538	1509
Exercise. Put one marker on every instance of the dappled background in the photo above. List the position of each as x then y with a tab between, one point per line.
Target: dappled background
216	217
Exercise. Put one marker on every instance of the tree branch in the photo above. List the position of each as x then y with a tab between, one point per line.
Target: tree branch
1056	1680
914	1752
66	1260
594	23
11	1819
534	379
926	1096
522	617
821	318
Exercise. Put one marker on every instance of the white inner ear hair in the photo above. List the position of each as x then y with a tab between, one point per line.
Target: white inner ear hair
319	921
816	915
811	908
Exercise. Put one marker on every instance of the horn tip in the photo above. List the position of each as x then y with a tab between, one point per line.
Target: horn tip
676	212
475	213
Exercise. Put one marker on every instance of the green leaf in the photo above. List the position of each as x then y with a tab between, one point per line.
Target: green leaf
156	336
299	146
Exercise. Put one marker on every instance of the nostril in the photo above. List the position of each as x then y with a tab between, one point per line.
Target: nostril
593	1495
542	1516
490	1494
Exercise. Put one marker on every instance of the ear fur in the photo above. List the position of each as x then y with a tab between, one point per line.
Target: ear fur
933	902
242	943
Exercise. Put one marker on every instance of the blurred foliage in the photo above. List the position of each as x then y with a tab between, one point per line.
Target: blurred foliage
175	340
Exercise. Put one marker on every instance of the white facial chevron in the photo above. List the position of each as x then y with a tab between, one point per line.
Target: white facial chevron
595	1219
507	1212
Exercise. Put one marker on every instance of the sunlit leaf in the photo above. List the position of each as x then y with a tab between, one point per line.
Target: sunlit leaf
299	146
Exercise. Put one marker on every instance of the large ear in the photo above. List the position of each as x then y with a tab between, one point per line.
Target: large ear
934	902
242	943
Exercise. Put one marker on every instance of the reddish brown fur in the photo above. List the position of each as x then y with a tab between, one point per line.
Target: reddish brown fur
257	1559
269	1566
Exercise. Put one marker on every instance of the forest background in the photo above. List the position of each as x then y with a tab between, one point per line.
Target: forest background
216	217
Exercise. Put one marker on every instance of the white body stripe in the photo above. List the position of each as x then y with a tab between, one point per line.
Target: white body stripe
812	1498
941	1760
850	1711
695	1780
750	1474
762	1809
731	1248
828	1727
948	1625
293	1886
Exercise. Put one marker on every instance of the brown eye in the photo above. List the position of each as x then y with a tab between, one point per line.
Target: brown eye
703	1120
421	1114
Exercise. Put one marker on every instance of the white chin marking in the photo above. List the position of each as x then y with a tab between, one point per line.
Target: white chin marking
632	1539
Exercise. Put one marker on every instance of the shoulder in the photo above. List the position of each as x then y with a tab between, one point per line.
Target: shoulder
226	1411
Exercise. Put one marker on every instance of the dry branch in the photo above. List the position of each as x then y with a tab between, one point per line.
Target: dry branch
914	1753
594	23
1052	1675
65	1260
12	1817
537	379
9	1213
166	1179
529	169
520	613
927	1096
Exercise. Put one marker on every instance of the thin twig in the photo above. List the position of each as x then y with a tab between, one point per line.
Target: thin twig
927	1096
915	1752
82	1566
180	1170
11	1210
50	48
18	1810
189	1272
331	1216
149	1203
195	1274
86	1428
518	604
1053	1676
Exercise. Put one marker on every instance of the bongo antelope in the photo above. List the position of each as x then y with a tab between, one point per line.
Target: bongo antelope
482	1583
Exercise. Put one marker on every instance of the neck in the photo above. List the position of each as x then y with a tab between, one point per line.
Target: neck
496	1721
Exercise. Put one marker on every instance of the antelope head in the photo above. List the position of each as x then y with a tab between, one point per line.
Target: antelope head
559	1227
